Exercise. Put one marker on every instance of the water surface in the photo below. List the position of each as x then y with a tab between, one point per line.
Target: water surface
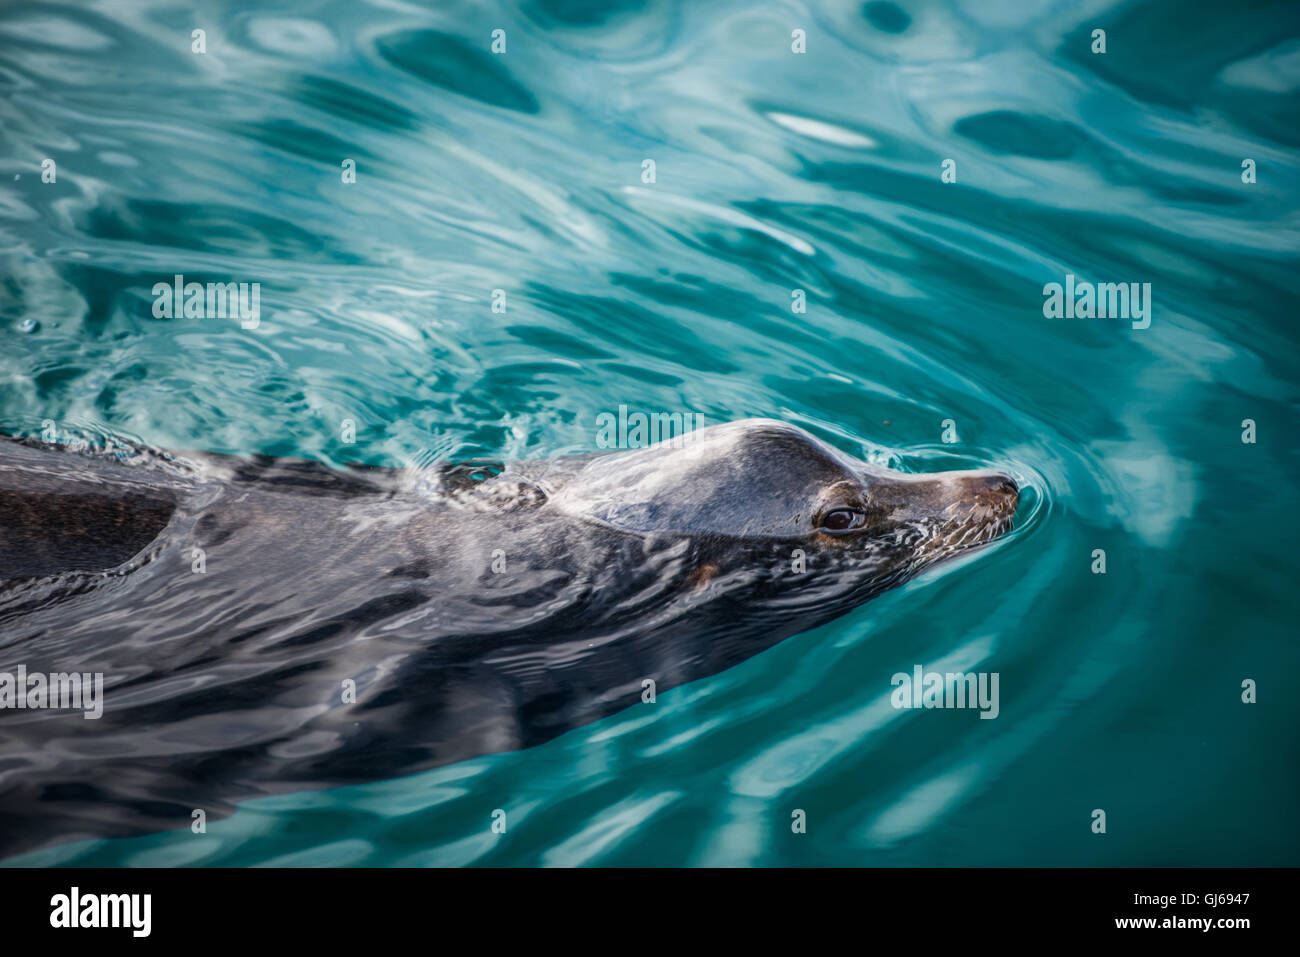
774	172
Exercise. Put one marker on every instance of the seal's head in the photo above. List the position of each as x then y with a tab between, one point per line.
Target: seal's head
760	486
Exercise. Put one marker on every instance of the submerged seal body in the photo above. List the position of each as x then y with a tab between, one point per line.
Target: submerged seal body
265	626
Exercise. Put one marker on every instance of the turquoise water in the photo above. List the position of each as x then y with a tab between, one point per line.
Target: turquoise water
774	171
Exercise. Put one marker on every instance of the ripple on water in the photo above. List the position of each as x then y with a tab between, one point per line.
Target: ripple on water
502	271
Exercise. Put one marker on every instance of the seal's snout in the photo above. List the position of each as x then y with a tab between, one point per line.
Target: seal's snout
1003	484
995	491
1004	487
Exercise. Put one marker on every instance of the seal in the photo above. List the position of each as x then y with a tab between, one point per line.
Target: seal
267	625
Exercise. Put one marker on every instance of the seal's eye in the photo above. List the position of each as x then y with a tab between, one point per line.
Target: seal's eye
841	520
